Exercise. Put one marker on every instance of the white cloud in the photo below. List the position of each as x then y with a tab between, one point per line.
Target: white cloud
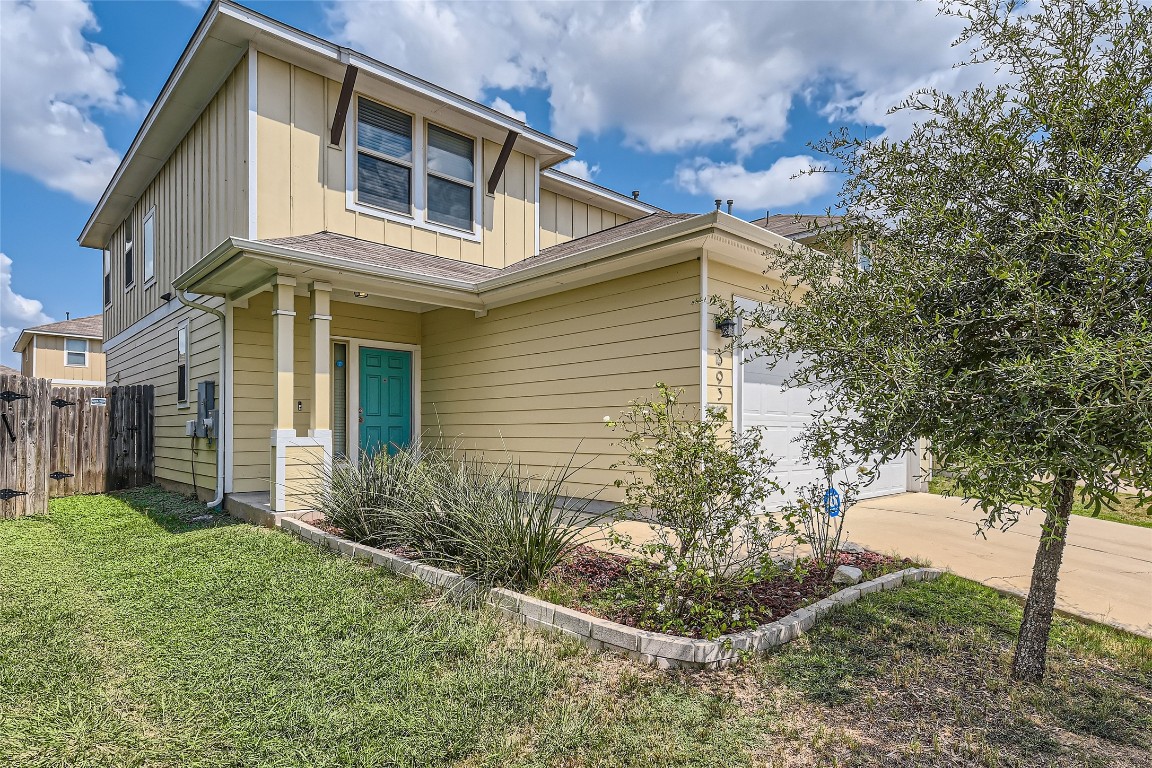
16	313
784	183
52	80
579	168
672	77
502	106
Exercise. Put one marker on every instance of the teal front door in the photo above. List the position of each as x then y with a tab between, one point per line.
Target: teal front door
385	399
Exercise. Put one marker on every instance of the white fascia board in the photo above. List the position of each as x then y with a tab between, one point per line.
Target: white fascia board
558	181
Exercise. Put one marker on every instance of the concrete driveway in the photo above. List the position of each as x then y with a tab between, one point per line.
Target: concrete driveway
1107	570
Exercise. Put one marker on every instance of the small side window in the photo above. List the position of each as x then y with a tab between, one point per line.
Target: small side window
863	257
76	352
182	364
107	277
129	277
149	245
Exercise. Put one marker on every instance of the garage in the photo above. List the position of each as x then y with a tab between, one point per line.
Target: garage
782	415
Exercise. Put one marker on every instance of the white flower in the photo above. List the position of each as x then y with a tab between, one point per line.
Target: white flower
672	568
736	615
660	608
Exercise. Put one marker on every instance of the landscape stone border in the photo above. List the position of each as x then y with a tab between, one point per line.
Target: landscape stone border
655	648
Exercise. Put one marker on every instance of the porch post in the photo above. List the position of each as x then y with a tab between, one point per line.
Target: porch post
320	421
283	426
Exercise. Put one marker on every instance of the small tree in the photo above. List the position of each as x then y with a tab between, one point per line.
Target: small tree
706	492
1004	308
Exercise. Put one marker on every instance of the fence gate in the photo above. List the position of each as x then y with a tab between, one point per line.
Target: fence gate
62	441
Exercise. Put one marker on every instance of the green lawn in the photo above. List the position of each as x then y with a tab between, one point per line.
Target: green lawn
133	636
1128	511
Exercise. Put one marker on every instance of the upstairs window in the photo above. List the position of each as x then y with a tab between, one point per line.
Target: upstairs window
451	178
149	245
107	276
384	157
128	263
76	352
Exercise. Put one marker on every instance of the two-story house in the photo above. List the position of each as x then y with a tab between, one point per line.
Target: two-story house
355	257
68	353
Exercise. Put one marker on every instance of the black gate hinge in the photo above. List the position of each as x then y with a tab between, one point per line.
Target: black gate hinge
6	494
9	396
60	475
61	403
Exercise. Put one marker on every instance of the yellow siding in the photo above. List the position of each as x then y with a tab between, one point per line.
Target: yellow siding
252	365
728	283
201	199
302	477
51	360
563	219
150	357
301	188
536	379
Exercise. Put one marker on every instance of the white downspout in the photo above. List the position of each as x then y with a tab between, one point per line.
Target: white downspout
222	427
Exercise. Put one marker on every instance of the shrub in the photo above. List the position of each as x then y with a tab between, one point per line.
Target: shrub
819	518
708	495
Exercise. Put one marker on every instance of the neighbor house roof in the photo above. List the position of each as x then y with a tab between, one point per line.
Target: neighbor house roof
795	225
90	327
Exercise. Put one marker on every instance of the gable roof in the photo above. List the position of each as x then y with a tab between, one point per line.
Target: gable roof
796	225
90	327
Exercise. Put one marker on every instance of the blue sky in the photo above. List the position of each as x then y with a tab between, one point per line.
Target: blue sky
685	102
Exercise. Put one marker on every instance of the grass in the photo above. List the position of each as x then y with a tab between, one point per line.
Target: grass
132	634
1129	511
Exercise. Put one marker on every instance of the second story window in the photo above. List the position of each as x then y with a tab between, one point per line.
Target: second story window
384	157
107	276
451	178
149	245
129	278
76	352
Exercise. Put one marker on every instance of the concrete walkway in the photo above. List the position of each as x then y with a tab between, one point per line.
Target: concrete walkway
1106	575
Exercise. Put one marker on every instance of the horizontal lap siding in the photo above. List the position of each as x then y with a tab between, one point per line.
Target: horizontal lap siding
201	199
302	185
535	380
254	388
563	219
150	357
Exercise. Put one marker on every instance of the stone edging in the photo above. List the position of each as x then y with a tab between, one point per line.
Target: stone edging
655	648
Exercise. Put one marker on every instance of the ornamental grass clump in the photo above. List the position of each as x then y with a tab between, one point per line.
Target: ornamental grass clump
709	495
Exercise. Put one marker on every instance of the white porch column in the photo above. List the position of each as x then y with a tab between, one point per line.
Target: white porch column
283	426
320	421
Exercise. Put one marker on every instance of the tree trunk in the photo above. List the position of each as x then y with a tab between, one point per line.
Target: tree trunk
1032	645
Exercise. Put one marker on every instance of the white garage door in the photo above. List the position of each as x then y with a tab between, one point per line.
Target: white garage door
782	414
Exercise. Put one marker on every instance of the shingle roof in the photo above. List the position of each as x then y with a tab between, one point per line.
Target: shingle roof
92	326
377	254
794	224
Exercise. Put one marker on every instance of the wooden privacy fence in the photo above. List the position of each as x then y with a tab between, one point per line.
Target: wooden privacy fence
62	441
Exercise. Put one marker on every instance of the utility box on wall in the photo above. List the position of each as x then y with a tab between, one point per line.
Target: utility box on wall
207	415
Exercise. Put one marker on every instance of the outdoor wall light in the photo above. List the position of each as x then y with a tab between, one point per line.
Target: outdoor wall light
360	294
727	327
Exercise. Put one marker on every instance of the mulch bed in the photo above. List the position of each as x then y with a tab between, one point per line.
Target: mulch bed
601	584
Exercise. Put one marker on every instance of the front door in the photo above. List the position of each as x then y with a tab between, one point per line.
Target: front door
385	399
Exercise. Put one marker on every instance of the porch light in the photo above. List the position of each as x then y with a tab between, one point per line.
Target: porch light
727	327
360	294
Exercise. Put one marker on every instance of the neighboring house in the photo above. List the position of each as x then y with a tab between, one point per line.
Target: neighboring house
70	352
355	257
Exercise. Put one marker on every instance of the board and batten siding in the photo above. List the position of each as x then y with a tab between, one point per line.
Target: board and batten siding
201	199
563	219
51	360
150	357
254	387
534	381
301	187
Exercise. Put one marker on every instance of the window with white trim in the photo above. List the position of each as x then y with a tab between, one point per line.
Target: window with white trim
129	277
383	157
76	352
451	177
182	364
149	245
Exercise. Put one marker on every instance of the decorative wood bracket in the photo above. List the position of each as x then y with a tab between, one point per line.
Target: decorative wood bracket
341	115
501	161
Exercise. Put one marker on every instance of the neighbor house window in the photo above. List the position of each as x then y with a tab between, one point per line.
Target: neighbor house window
863	256
149	245
76	352
384	157
182	364
128	276
451	178
107	276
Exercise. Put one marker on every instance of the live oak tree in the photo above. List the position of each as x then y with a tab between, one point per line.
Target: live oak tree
988	287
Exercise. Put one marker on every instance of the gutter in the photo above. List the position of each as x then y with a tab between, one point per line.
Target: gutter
220	446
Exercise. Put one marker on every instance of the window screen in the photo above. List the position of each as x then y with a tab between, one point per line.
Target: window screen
451	178
76	351
384	157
